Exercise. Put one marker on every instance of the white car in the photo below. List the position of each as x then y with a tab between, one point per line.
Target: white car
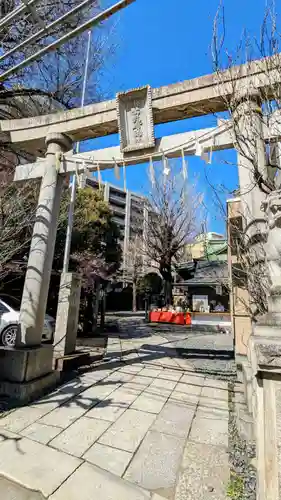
9	321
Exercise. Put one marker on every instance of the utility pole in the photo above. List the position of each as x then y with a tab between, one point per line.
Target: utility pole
74	176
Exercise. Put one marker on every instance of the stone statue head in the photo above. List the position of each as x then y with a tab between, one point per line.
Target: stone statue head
272	207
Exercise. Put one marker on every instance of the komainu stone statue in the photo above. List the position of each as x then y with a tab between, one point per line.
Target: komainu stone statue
272	208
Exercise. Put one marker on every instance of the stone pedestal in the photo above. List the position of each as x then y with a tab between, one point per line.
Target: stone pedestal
67	315
26	373
266	360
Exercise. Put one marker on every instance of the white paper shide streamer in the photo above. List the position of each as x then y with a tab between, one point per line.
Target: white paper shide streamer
199	151
184	166
116	171
211	152
166	168
124	176
151	171
81	178
99	176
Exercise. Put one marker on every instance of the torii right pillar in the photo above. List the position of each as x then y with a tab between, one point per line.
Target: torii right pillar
249	143
262	227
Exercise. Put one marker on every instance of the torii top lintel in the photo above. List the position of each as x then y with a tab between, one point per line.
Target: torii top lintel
199	96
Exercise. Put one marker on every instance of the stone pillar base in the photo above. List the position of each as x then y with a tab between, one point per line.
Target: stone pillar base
243	398
25	364
25	373
27	391
240	360
247	375
244	421
266	363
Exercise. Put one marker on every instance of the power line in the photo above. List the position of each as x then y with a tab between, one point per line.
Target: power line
46	29
65	38
9	18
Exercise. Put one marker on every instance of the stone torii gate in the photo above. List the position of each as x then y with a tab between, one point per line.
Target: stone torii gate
28	368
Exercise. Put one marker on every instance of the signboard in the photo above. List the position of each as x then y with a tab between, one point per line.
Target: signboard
135	119
200	303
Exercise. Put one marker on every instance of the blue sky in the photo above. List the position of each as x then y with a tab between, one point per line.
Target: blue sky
161	42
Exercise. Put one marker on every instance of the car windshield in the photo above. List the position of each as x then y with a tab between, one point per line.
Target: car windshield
11	302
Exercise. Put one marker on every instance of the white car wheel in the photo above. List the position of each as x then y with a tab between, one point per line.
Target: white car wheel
9	335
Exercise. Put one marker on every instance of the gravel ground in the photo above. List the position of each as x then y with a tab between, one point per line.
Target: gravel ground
209	352
242	484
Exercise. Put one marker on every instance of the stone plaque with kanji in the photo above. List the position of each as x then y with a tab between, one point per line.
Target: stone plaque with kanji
135	119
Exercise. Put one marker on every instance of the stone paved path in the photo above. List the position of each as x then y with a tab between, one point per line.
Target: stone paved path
142	425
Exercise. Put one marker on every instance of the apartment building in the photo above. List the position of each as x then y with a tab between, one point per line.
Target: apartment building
128	209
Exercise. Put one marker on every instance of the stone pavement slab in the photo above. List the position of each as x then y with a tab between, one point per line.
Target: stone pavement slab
21	418
119	377
128	431
204	473
120	400
110	459
175	419
156	390
156	463
212	413
168	374
215	398
77	438
131	369
209	431
10	490
140	380
188	400
165	384
189	388
89	483
40	432
218	384
151	372
151	403
66	414
213	393
34	465
192	379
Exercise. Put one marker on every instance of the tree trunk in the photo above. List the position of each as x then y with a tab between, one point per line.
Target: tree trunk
166	272
134	296
89	312
102	311
96	306
168	294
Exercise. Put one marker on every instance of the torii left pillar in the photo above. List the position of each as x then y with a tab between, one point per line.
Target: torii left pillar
27	369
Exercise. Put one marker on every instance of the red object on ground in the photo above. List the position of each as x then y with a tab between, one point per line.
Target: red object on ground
154	316
188	319
169	317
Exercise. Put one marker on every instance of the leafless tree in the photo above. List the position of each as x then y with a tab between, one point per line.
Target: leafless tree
244	268
58	75
255	116
173	220
17	214
51	84
238	64
55	81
